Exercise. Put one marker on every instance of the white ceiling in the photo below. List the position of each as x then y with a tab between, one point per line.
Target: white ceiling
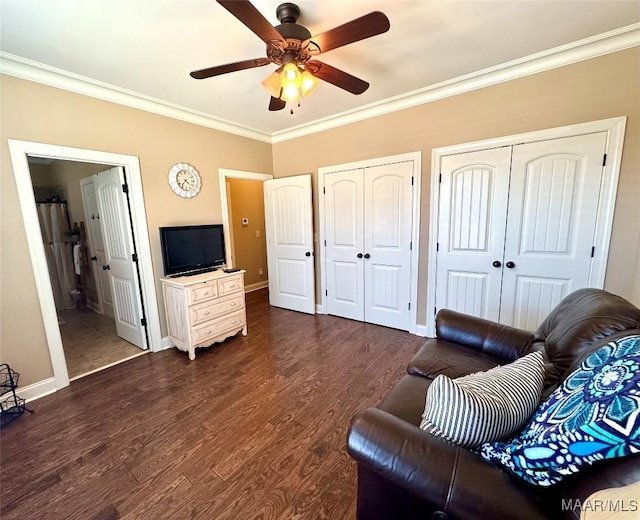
150	46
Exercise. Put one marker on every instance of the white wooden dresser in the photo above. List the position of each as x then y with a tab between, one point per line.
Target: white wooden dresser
204	309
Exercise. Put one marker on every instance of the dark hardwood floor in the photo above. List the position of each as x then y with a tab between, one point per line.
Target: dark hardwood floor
253	428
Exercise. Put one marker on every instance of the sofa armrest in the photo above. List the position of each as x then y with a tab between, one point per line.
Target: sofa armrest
482	335
448	477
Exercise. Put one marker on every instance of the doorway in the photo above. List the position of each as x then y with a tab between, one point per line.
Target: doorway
20	152
89	336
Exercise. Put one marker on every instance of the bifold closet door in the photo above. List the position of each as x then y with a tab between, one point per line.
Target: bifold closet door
474	192
553	205
368	219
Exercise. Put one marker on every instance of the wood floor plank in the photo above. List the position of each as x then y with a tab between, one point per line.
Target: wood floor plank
253	428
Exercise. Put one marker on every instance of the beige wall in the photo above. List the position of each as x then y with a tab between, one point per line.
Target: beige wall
33	112
247	201
591	90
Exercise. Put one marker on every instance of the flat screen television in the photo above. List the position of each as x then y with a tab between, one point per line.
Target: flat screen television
192	249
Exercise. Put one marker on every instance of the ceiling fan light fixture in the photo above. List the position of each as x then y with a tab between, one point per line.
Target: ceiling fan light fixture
309	83
291	82
272	84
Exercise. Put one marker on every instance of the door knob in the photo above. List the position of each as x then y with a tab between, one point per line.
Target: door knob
359	255
94	258
106	267
497	263
307	253
367	255
510	265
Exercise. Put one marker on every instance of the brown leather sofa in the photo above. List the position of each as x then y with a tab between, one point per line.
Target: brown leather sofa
404	472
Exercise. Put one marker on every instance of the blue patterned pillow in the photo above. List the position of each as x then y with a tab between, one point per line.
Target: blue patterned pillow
594	415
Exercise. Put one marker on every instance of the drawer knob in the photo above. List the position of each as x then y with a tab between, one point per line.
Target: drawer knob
234	304
208	331
206	313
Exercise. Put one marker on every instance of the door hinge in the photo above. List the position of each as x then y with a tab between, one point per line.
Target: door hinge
412	180
440	178
410	246
437	246
143	322
326	293
435	311
324	190
325	243
409	306
134	257
604	160
125	188
593	251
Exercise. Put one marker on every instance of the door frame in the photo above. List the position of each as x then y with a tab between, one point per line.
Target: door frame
223	175
416	158
614	127
19	151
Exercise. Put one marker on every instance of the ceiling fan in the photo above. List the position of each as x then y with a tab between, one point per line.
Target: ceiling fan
292	48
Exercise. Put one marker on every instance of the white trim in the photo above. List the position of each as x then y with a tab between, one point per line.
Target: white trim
416	158
598	45
37	390
19	151
223	175
421	330
592	47
256	286
614	127
24	68
84	374
166	343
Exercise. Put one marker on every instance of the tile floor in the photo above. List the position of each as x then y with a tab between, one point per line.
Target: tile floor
90	342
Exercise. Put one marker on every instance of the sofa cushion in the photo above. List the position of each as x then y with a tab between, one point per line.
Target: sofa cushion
594	415
438	357
406	399
577	324
487	406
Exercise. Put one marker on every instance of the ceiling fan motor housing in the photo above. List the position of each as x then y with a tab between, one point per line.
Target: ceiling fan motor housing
288	15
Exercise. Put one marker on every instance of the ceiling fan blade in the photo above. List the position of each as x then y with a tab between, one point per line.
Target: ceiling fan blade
359	29
245	11
229	67
337	77
276	104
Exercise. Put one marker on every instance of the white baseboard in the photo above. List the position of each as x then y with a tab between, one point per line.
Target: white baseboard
165	343
320	309
37	390
256	286
93	306
421	330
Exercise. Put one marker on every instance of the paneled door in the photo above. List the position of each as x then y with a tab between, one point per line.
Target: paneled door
118	246
555	186
516	227
368	224
474	191
344	254
290	252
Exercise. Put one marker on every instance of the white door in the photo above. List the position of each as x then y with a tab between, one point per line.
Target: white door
118	245
344	253
368	223
388	208
474	190
555	187
289	230
96	246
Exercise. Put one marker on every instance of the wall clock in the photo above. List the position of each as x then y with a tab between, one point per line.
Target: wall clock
184	180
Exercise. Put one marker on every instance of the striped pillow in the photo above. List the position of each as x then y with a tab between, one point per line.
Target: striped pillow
487	406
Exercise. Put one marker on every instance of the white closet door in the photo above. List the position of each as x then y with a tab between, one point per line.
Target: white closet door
388	197
289	230
118	245
474	191
344	231
555	186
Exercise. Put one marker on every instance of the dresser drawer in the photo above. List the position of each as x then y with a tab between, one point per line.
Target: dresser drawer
202	292
210	330
230	285
211	310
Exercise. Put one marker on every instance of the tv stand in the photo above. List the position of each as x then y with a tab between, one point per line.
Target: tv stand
204	308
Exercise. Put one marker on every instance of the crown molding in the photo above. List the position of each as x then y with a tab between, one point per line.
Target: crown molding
24	68
599	45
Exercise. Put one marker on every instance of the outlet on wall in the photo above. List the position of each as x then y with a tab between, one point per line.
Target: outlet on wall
260	271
